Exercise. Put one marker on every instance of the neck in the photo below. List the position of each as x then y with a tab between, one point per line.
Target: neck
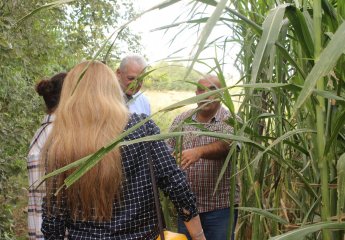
129	97
206	115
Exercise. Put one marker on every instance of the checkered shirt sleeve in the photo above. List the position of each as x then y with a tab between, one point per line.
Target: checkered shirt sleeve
35	195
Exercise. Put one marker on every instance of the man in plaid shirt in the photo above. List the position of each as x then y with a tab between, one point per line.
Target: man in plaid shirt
202	158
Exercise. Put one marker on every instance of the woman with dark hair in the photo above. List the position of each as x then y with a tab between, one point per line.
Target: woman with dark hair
50	90
114	199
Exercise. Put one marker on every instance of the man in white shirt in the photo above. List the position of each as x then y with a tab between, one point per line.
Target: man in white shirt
131	67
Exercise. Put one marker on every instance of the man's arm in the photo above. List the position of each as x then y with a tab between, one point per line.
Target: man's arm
216	150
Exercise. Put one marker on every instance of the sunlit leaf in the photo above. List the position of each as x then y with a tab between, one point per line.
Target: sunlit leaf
211	22
327	60
301	30
341	185
264	213
303	231
45	6
271	29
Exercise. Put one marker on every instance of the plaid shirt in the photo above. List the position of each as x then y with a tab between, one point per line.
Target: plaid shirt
35	195
134	217
203	174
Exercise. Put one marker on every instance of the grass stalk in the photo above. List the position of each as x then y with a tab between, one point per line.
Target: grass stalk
320	121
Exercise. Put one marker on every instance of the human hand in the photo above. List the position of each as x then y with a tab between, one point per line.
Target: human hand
188	157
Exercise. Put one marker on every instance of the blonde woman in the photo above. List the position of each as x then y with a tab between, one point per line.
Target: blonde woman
114	200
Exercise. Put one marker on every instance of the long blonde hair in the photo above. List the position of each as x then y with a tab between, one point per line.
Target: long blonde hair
90	114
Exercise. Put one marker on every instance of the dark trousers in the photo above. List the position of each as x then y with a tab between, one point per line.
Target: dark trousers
214	223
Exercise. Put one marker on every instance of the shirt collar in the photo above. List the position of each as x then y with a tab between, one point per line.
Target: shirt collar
48	118
215	118
128	98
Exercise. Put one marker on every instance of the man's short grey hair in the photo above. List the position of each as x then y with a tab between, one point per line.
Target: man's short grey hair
133	58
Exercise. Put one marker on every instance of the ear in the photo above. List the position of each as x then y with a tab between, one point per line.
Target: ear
118	72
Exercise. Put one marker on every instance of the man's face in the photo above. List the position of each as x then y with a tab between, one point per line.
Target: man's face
207	85
128	78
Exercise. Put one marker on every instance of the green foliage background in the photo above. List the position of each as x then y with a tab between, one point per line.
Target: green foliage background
171	76
48	42
292	104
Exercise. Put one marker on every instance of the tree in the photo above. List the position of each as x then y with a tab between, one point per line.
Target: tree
171	76
49	41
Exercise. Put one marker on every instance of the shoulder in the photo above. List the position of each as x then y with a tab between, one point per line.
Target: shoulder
140	104
149	127
134	118
183	116
41	135
139	96
222	114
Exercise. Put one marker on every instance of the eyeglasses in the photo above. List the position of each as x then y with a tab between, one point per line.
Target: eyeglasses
202	89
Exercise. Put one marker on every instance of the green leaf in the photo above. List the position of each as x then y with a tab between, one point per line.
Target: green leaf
330	12
206	31
164	4
4	43
61	170
287	56
192	100
271	29
339	124
263	85
176	24
226	95
329	95
264	213
341	9
301	30
225	166
341	185
93	159
196	133
328	59
45	6
303	231
277	141
257	28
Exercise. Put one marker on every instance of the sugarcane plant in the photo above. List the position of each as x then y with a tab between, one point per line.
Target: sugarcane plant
291	132
292	65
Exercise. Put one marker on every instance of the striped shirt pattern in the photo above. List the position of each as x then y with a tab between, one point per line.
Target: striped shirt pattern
134	216
203	174
35	173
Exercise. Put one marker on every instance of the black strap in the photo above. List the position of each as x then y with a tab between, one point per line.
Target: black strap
44	126
155	193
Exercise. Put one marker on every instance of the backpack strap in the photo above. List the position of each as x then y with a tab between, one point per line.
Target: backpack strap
43	126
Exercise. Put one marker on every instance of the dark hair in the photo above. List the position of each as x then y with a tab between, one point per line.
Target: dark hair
50	90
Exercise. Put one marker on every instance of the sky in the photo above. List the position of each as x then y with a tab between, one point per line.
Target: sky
157	43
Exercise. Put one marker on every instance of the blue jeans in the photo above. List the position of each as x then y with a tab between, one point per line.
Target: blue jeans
215	224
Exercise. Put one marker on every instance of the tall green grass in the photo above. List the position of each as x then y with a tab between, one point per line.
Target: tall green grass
291	59
292	108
